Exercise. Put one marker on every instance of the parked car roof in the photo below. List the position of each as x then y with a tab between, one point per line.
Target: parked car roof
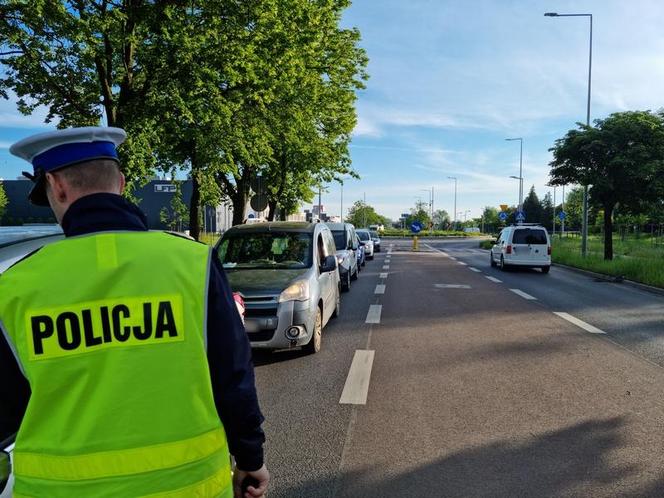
338	226
281	226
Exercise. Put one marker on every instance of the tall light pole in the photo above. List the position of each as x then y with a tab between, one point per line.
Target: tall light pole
520	170
584	224
455	193
520	189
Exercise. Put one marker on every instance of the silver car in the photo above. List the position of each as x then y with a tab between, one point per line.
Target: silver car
286	272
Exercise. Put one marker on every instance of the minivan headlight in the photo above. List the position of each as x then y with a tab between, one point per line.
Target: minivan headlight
298	291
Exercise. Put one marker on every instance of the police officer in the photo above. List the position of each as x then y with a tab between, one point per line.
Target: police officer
138	369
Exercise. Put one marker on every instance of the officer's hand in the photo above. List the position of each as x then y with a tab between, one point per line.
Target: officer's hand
261	475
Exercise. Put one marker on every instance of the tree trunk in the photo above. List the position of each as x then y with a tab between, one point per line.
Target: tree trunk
283	214
608	231
239	205
194	204
273	210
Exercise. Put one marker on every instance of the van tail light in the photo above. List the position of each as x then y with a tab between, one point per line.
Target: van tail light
548	250
508	249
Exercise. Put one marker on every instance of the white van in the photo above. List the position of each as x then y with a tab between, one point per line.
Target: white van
522	245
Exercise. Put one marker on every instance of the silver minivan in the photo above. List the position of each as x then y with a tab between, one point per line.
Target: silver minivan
286	272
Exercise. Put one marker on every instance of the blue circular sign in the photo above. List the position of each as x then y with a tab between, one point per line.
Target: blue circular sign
416	227
562	215
502	216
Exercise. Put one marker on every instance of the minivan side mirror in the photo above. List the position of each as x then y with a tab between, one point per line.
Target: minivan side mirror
329	264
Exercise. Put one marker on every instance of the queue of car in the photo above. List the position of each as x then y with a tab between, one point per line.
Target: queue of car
290	276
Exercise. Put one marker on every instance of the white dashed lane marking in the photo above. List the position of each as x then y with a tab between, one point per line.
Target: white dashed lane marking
373	316
524	295
382	275
579	323
380	289
494	279
356	388
452	286
386	267
462	263
474	269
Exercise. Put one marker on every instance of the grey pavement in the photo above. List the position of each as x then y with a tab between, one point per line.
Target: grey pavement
474	392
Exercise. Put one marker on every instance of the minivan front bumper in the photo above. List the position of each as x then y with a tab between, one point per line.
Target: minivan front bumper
267	321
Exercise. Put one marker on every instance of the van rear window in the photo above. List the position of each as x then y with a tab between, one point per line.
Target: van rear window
529	236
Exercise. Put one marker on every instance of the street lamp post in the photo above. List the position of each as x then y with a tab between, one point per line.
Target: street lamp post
584	224
520	178
520	169
455	195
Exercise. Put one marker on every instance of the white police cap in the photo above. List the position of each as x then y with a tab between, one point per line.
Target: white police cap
58	149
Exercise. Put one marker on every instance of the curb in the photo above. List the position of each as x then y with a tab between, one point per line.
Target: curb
603	276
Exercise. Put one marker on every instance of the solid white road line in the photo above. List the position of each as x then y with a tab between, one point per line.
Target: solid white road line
452	286
462	263
380	289
373	316
523	294
494	279
382	275
474	269
356	388
579	323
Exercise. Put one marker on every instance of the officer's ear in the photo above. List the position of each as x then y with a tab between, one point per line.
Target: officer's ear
122	182
58	187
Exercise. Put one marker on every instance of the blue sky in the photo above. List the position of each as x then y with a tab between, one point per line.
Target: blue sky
451	79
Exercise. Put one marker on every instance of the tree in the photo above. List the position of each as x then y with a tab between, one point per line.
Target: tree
532	208
363	215
84	62
419	213
3	200
441	220
573	208
546	211
491	219
620	157
174	215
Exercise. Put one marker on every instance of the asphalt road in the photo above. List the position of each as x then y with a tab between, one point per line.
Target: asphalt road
473	389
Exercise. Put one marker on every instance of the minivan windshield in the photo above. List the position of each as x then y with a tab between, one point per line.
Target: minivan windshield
274	250
529	236
339	239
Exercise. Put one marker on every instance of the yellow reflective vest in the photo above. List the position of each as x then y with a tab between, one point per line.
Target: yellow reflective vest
110	330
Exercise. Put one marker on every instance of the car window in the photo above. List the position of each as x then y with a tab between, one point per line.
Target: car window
363	235
374	234
285	250
329	242
339	239
529	236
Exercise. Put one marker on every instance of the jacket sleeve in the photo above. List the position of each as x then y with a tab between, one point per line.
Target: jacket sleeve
14	391
232	373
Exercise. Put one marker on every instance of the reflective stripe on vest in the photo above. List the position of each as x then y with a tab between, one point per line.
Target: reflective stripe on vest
119	462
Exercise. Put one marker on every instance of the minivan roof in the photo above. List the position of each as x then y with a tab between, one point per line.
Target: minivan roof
280	226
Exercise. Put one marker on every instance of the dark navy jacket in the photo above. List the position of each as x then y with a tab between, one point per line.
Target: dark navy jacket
229	353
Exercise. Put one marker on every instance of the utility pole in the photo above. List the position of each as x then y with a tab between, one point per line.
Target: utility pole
365	209
553	226
455	199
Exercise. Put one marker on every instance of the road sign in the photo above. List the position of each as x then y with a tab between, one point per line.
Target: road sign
562	215
520	216
502	216
259	202
503	207
416	227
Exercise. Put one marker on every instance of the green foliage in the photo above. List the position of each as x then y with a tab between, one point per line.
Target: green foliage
637	260
441	220
175	215
3	201
362	215
621	158
220	90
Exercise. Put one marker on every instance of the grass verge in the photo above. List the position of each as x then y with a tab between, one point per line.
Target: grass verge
637	260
